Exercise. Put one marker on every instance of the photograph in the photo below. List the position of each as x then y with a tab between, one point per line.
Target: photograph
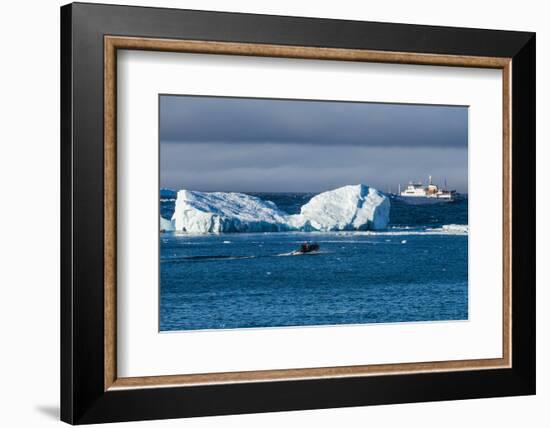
294	213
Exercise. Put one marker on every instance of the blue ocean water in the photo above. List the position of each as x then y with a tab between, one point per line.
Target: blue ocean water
417	270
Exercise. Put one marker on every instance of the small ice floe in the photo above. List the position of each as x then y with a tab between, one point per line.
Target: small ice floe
404	241
227	242
268	273
166	225
449	229
456	228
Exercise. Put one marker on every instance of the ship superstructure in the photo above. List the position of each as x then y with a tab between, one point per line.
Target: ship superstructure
431	192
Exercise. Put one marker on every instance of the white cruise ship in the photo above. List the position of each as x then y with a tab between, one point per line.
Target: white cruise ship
417	192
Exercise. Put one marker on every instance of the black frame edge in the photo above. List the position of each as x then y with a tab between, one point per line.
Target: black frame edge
297	30
66	306
524	213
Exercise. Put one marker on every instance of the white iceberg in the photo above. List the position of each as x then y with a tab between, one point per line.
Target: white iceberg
166	225
355	207
219	212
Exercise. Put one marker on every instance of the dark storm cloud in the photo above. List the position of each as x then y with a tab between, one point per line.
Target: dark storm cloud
233	144
248	120
297	168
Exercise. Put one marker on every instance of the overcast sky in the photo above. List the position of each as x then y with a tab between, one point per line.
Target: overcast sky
255	145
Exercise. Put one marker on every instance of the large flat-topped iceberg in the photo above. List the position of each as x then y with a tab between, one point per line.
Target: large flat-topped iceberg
356	207
219	212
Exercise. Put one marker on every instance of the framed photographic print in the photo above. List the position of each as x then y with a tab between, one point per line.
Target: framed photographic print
265	213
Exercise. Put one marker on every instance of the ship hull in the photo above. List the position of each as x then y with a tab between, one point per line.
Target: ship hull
422	200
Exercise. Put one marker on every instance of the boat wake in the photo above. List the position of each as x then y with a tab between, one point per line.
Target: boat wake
203	258
299	253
